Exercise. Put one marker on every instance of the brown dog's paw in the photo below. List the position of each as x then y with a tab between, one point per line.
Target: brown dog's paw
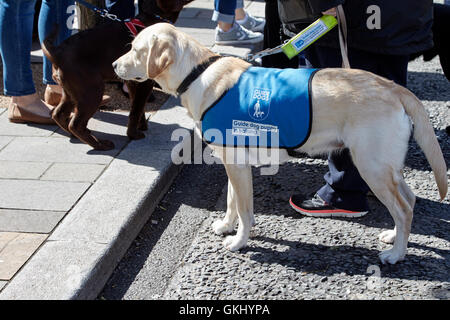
135	134
105	145
143	125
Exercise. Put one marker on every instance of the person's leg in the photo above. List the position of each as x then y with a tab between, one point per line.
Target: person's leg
273	37
239	12
344	188
123	9
224	13
394	68
16	28
16	31
53	12
246	20
229	32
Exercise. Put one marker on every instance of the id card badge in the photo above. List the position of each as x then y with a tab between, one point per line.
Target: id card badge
308	36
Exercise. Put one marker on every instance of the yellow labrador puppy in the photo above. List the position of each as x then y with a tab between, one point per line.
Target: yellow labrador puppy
351	108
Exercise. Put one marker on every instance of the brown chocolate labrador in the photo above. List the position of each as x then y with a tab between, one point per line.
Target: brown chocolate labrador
83	62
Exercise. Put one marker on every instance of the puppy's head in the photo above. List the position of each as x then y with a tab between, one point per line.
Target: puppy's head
152	52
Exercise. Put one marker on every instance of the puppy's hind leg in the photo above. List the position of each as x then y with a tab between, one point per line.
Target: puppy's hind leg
385	179
388	236
240	178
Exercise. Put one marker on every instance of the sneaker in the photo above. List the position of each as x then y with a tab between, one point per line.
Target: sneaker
317	207
237	35
252	23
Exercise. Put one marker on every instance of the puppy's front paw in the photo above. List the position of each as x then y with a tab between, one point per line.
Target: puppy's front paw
220	227
391	256
143	124
234	243
387	236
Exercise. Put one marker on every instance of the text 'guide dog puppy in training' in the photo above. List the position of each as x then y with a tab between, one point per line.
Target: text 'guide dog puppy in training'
349	108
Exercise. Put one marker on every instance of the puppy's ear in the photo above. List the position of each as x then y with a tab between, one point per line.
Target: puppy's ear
161	56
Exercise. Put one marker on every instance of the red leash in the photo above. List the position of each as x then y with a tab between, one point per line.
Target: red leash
131	25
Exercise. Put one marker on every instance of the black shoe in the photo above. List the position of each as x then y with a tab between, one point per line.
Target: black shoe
316	207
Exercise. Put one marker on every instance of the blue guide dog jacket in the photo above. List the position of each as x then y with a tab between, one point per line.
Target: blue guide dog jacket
267	107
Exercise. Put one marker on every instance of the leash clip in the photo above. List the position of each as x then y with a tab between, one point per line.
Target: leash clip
266	52
106	14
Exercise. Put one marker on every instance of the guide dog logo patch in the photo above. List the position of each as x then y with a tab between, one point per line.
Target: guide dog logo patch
259	106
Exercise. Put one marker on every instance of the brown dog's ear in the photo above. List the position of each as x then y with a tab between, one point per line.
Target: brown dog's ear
160	57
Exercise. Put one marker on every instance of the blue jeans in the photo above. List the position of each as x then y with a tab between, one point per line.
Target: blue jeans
224	10
16	31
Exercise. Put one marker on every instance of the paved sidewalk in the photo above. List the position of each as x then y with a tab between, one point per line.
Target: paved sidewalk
68	213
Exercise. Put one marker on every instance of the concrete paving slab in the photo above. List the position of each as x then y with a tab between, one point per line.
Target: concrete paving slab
241	51
80	172
35	149
22	170
164	124
189	13
29	220
101	213
203	8
200	29
40	195
255	8
206	37
2	284
25	130
15	249
2	110
4	141
206	4
60	279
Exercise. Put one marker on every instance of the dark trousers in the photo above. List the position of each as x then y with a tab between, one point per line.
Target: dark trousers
344	188
274	36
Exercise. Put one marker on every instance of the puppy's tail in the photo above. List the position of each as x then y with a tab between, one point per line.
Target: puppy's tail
425	137
48	47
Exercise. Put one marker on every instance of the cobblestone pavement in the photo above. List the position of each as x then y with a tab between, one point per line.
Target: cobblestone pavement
177	256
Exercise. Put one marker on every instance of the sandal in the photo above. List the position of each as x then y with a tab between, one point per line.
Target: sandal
17	114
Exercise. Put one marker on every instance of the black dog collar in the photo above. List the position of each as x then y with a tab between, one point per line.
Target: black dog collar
195	73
